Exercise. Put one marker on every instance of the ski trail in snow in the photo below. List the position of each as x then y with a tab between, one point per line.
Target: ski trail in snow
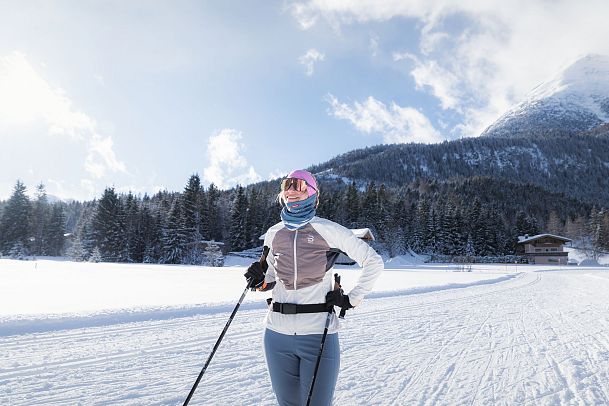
539	339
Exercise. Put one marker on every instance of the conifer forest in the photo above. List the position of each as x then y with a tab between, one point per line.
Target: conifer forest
477	218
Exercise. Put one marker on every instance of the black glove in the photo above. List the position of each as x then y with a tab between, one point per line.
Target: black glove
338	298
255	275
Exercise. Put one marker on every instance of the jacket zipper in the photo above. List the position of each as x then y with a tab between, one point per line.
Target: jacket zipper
295	264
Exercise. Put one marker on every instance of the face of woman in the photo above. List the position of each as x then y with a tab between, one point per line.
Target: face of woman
292	195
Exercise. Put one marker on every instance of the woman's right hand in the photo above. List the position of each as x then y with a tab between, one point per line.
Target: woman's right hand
255	275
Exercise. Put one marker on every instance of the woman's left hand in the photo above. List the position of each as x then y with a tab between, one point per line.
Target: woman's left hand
338	298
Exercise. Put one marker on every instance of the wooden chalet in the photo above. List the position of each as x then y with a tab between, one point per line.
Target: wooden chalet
543	249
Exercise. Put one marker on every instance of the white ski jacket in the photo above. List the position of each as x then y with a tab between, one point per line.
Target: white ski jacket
300	268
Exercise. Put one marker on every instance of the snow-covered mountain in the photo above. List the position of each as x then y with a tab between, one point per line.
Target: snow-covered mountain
573	101
557	139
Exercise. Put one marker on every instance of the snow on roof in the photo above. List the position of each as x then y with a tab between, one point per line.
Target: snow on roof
524	239
363	233
207	242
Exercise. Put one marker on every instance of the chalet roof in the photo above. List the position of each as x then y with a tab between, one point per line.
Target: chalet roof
523	240
363	233
206	242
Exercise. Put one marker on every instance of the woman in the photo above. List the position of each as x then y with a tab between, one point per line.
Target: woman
302	249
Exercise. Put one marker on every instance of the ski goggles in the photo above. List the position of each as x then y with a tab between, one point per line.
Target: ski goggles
298	185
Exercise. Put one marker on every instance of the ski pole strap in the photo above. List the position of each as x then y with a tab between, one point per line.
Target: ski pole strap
292	308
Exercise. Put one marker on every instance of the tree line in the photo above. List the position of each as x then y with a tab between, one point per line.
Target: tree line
473	217
31	227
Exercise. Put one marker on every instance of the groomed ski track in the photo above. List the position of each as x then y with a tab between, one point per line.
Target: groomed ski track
541	338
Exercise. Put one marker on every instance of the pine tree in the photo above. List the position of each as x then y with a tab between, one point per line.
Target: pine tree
192	199
174	238
493	227
153	236
327	207
40	222
84	235
55	231
526	224
254	221
434	243
455	244
351	206
475	227
575	229
95	255
148	233
134	247
486	244
17	251
554	225
237	237
213	255
76	251
385	222
211	219
408	216
15	222
594	240
469	247
443	229
604	231
370	208
521	224
109	227
420	229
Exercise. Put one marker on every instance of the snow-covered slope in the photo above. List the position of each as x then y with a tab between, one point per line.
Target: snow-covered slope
573	101
529	338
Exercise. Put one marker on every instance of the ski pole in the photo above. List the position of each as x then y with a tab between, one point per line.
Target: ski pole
230	319
323	340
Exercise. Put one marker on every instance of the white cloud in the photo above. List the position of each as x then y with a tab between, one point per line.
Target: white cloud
309	59
25	97
102	157
396	124
303	15
27	100
443	83
374	44
495	53
228	167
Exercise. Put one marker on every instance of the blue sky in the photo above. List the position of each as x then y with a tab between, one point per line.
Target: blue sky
141	94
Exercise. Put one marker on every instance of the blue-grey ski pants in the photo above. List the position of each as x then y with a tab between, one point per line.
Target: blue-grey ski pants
291	362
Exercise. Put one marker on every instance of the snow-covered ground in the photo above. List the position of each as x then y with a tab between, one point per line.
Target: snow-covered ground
101	334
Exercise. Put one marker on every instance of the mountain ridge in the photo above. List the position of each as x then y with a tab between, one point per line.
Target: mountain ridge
575	100
557	164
